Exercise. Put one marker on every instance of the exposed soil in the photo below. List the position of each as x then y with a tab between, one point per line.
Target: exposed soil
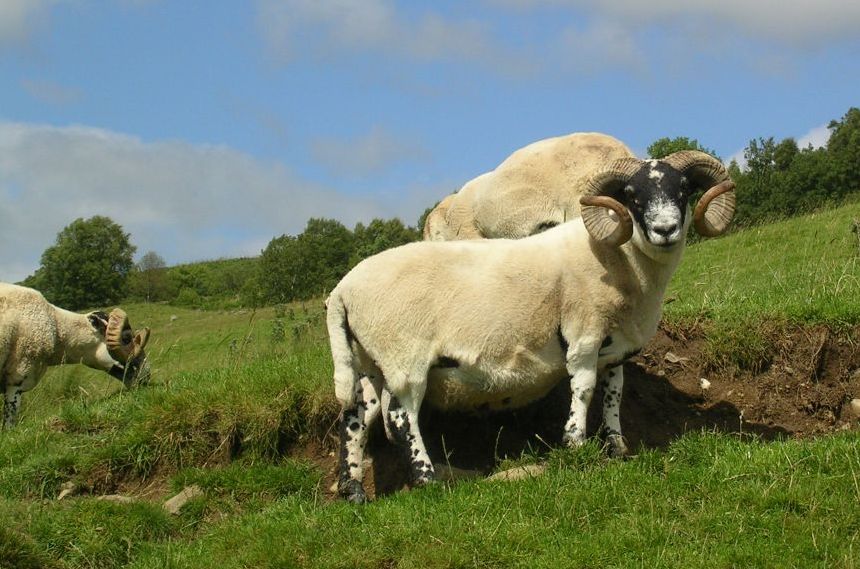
805	390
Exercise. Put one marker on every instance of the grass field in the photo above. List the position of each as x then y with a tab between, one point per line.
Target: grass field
237	394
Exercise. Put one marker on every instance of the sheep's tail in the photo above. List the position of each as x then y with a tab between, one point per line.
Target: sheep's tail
345	376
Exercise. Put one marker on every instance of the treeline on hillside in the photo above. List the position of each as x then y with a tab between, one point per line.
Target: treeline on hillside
289	268
91	262
780	179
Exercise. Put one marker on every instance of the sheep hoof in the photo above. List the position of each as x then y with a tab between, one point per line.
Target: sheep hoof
352	491
616	446
572	441
422	481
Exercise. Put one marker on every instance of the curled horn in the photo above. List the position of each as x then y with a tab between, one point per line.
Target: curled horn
716	207
605	218
715	210
120	350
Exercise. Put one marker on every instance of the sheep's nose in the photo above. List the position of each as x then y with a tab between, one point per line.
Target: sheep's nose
665	229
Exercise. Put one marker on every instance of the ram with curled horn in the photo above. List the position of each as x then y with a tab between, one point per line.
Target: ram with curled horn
125	345
665	187
491	324
35	334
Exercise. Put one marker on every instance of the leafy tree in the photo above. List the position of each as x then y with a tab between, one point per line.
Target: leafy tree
380	235
665	146
149	279
278	279
297	268
88	265
326	247
844	152
784	154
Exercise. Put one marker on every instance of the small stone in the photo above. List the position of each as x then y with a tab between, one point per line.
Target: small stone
116	499
675	359
518	473
704	384
67	489
175	504
855	407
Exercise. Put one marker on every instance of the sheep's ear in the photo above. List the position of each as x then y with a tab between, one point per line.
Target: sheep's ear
99	321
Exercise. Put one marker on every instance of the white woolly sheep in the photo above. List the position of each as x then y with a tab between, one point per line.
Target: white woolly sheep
35	334
497	323
535	188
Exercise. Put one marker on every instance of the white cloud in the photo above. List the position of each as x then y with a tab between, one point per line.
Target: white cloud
367	154
602	44
800	22
817	137
334	27
19	18
186	202
51	92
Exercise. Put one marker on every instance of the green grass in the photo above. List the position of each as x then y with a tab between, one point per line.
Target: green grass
231	401
805	269
746	288
709	501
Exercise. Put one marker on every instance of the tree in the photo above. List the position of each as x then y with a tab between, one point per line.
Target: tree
88	265
298	268
149	279
843	149
380	235
665	146
784	154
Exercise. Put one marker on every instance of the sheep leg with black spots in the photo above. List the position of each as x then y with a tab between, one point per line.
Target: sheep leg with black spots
581	366
354	427
400	412
613	382
11	404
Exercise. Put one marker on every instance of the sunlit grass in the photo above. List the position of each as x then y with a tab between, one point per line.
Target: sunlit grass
805	269
231	399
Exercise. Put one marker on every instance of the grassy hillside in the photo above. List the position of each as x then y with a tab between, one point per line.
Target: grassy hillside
239	397
804	269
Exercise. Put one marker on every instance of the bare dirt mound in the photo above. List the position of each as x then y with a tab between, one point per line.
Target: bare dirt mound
804	388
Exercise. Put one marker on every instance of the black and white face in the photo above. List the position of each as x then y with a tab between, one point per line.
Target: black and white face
657	197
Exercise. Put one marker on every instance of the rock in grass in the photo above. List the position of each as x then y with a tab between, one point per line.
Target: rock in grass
116	499
518	473
855	407
67	489
175	504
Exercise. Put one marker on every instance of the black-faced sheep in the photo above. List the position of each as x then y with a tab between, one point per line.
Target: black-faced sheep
35	334
498	322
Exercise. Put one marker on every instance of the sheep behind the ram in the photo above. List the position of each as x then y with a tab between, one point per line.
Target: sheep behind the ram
533	189
477	323
35	334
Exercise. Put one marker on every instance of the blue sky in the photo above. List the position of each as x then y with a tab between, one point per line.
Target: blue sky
207	128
